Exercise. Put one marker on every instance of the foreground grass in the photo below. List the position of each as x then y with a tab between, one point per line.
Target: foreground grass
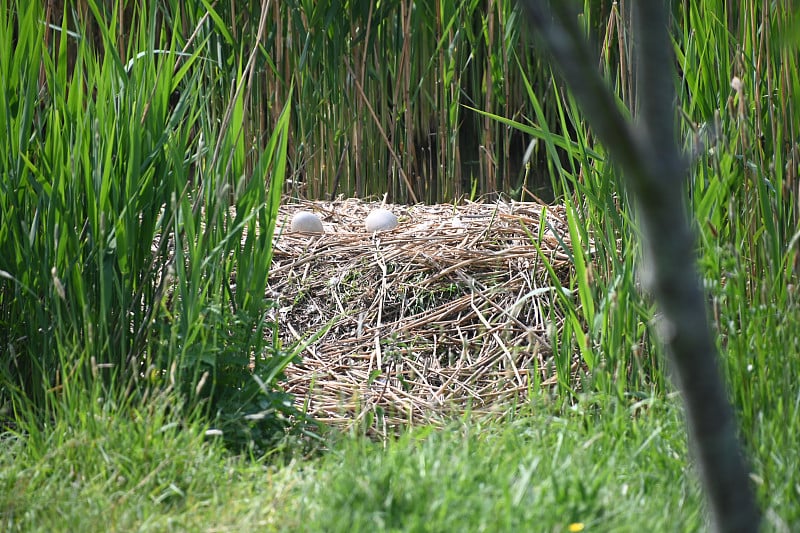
621	469
542	470
539	472
598	465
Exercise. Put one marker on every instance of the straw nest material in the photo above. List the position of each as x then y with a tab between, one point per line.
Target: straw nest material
449	311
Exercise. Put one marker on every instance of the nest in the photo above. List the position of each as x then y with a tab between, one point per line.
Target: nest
452	310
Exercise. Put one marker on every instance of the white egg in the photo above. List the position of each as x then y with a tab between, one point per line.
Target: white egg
380	220
305	222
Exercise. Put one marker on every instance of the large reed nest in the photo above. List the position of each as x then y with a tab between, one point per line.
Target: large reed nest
452	310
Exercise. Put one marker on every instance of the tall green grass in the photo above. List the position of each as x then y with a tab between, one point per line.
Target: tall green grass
137	218
379	91
742	190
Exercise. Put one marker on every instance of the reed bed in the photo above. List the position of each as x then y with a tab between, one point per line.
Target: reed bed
452	310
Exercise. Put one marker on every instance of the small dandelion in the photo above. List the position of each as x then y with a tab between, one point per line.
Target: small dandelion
576	526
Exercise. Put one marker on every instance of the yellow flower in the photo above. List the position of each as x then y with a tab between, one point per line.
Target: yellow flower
576	526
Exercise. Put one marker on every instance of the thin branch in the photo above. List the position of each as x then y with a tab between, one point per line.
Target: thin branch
654	172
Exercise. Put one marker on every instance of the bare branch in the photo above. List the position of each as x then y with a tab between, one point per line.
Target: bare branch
650	160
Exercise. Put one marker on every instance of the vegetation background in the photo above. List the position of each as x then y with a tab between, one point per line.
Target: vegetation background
132	128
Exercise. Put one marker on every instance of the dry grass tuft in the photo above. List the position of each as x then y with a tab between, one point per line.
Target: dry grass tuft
450	310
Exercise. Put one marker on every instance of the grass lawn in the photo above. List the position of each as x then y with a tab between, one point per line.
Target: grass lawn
607	469
593	466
